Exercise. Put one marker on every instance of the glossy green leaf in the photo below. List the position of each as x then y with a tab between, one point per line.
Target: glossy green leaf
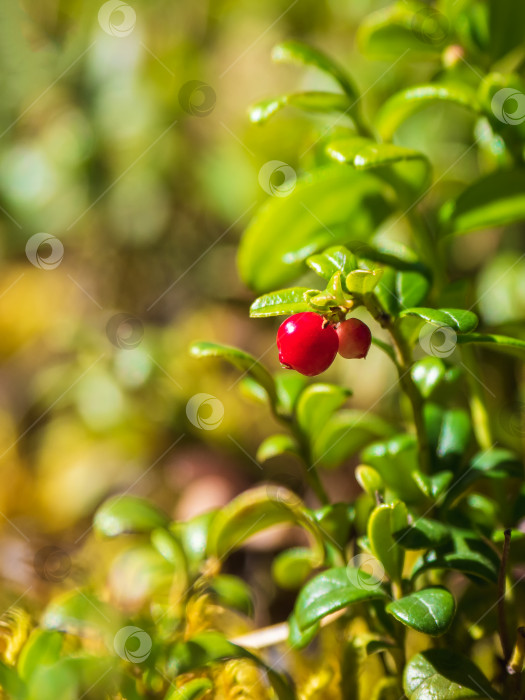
190	691
298	638
407	170
363	154
209	647
454	437
282	303
361	282
41	649
291	568
404	104
429	611
494	342
242	360
308	101
258	509
277	445
496	463
168	546
287	230
466	553
459	320
383	522
398	290
391	253
428	374
332	260
422	534
435	485
233	592
345	433
317	404
444	674
396	461
496	199
402	29
332	590
369	479
292	51
124	514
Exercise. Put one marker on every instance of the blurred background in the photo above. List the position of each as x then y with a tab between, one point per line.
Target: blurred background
128	170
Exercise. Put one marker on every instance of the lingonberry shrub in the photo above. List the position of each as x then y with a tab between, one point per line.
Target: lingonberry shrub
414	588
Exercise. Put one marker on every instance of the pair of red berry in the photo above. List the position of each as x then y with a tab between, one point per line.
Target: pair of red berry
309	345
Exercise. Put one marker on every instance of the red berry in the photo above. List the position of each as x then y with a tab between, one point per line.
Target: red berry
304	345
354	339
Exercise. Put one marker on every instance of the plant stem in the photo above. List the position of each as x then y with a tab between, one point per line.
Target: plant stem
502	621
315	483
404	364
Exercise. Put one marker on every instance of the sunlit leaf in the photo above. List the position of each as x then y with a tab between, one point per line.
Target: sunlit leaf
277	445
287	230
292	51
256	510
383	522
444	674
404	104
400	29
429	611
307	101
459	320
496	199
291	568
233	592
282	303
332	590
332	260
124	514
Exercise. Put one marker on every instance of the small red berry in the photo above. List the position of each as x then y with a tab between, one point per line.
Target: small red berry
354	339
305	345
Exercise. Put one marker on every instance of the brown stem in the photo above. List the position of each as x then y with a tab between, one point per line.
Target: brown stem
502	620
